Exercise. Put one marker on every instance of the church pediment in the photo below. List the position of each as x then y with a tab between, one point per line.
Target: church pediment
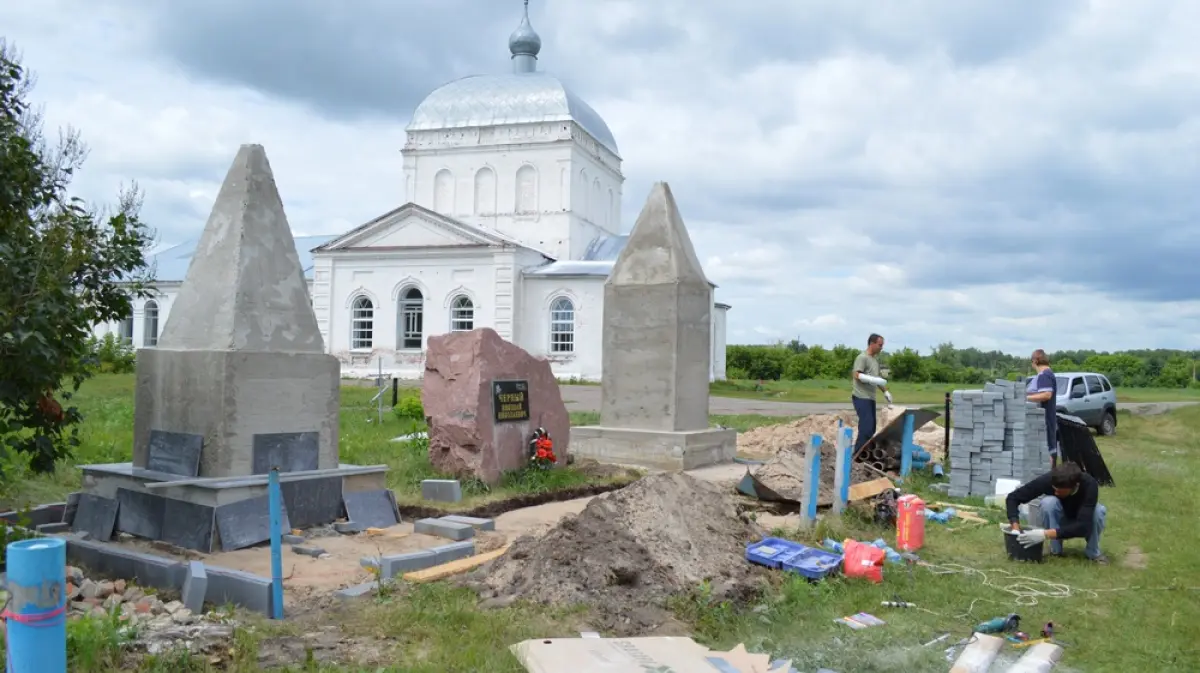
412	226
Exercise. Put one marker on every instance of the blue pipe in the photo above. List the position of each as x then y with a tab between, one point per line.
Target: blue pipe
37	611
274	498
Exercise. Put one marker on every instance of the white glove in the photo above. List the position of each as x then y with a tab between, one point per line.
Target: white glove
1032	538
887	394
874	380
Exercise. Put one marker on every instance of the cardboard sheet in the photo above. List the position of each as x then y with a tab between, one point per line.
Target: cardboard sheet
635	655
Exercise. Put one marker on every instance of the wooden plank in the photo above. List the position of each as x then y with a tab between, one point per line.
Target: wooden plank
454	567
870	489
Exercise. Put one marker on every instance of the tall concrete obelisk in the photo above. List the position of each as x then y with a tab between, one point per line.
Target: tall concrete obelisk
658	308
241	361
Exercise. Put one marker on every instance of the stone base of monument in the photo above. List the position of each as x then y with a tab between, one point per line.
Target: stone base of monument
658	449
223	513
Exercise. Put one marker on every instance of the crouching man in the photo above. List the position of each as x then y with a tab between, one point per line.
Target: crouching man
1069	510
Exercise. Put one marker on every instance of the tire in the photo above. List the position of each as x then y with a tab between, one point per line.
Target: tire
1108	425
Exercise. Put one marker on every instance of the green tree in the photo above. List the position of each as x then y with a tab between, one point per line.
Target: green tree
906	365
1175	373
63	268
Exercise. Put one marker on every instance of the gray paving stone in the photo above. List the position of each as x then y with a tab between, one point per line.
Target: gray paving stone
441	490
475	522
195	587
442	528
453	551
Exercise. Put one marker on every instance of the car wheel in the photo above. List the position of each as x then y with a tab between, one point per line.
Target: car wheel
1108	425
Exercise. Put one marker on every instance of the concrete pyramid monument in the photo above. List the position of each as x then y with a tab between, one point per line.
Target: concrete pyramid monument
238	385
658	308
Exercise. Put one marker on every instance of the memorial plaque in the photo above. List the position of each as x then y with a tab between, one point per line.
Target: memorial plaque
175	453
289	451
510	401
247	522
141	514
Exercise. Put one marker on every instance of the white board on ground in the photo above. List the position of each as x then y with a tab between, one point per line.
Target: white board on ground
628	655
978	655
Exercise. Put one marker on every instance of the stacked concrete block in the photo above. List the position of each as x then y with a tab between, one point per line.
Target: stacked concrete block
997	435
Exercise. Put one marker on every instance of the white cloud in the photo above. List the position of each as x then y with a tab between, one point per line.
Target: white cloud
932	171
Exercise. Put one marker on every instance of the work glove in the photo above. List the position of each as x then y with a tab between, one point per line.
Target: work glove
887	394
1032	538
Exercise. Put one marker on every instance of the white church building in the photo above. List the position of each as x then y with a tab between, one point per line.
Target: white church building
512	221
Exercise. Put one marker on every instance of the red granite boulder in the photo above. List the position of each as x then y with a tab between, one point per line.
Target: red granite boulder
472	379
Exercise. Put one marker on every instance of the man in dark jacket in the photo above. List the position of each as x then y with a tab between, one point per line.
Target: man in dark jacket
1069	510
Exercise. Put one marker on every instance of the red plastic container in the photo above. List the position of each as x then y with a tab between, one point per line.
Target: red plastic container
910	523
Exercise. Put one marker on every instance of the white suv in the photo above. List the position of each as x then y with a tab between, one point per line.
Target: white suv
1089	397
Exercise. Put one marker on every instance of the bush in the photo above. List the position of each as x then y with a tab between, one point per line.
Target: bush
736	374
409	408
112	355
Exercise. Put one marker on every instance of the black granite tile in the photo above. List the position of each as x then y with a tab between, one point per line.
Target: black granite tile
175	453
96	516
313	502
189	525
247	522
289	451
141	514
373	509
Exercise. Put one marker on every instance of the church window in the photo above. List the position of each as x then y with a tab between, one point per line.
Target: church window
562	326
412	318
362	324
527	196
485	191
443	192
462	314
125	330
150	326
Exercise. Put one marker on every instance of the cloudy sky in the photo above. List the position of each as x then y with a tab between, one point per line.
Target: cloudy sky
995	174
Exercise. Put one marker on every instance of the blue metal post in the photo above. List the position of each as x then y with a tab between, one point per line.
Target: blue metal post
906	448
812	457
275	498
847	459
37	619
841	473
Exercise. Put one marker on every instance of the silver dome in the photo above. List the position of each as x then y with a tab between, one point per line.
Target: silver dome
487	100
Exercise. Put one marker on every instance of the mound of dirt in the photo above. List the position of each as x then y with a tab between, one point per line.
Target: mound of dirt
768	440
630	550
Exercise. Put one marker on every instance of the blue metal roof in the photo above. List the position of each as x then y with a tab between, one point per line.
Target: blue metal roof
171	265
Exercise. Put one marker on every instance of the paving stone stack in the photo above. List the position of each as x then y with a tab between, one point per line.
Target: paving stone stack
997	435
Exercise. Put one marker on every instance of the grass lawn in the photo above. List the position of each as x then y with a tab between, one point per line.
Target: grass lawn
905	393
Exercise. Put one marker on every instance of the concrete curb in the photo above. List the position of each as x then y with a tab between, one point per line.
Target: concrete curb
223	585
398	564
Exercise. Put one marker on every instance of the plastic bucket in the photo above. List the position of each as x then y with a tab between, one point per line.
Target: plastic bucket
1018	552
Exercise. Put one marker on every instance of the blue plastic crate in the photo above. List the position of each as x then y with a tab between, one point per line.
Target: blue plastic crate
780	554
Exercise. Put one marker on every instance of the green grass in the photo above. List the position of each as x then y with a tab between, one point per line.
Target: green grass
905	393
106	435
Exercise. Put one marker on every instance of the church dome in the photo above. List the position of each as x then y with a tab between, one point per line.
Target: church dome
517	98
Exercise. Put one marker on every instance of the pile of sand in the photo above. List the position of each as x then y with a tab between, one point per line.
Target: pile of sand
784	473
768	440
630	550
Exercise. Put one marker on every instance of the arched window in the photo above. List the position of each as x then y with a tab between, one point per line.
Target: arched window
362	324
562	326
150	325
527	189
485	191
412	319
125	330
443	192
462	314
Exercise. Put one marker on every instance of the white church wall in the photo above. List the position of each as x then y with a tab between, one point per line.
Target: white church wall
520	193
144	326
586	295
383	280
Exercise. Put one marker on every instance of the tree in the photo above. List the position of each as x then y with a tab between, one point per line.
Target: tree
906	365
63	268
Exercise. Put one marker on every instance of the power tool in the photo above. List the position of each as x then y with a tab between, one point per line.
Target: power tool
1000	624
